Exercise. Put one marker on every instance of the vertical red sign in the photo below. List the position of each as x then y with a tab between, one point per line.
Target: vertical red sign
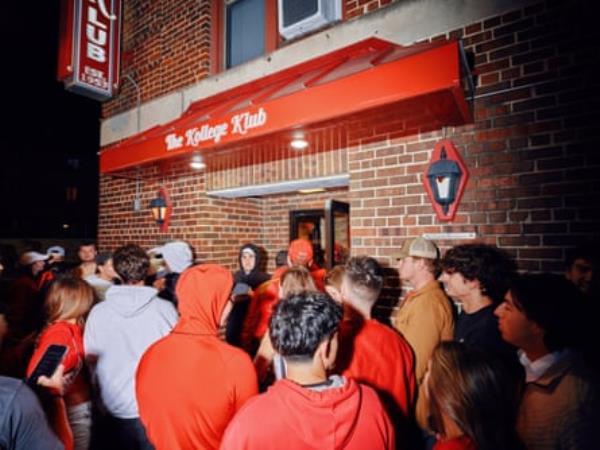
89	51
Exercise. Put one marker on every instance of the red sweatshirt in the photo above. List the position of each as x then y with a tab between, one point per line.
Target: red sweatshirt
459	443
289	416
190	383
263	301
380	357
71	336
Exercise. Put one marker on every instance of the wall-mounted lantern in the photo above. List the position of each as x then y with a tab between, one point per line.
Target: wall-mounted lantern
445	179
161	209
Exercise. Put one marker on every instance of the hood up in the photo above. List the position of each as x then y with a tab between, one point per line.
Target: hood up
336	411
129	301
202	292
255	277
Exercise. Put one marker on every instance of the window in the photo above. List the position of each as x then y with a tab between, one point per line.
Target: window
243	30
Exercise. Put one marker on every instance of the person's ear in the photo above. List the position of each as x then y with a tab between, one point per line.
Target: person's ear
327	351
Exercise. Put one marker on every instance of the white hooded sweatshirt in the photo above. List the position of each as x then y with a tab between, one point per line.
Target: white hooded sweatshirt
117	332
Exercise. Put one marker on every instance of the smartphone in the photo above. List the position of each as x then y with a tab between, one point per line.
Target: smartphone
53	356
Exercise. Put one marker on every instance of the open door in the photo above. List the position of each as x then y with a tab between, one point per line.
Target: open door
309	224
327	229
337	220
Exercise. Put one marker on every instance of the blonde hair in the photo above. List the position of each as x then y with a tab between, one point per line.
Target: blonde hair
295	280
69	298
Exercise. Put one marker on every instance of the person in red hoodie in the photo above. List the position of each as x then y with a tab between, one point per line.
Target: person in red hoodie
308	409
373	353
266	296
190	383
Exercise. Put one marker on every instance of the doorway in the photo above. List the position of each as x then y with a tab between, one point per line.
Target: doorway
327	229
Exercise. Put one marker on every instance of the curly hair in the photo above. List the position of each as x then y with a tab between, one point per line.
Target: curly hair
489	265
301	322
131	263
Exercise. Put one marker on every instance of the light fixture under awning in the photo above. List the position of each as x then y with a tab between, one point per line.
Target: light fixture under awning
370	77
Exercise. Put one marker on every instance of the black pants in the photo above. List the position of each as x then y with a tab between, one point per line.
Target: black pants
127	434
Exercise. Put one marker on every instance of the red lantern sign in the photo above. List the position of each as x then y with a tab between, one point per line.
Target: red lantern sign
88	57
445	179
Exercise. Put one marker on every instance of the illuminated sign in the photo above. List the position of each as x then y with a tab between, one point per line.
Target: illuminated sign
89	47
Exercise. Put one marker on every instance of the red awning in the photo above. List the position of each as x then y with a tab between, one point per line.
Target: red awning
370	76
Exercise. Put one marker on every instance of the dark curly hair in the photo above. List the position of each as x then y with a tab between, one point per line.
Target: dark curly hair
555	304
301	322
492	267
131	263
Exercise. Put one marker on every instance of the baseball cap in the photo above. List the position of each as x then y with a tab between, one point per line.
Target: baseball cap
28	258
177	254
56	250
300	252
420	247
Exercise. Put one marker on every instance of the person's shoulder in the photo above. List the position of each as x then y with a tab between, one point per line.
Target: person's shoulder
235	358
14	393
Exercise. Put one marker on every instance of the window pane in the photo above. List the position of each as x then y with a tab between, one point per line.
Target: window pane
245	36
296	10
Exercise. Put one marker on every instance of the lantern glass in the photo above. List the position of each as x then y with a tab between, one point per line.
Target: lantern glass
158	206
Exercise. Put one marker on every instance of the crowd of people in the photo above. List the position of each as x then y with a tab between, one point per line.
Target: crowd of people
166	354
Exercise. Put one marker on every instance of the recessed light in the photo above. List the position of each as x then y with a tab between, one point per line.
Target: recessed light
197	162
299	143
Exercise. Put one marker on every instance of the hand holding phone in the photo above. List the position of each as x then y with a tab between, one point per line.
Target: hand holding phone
48	364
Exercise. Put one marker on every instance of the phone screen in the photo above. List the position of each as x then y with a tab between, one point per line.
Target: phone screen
48	364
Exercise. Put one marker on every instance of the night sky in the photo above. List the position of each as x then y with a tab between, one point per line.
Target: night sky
48	136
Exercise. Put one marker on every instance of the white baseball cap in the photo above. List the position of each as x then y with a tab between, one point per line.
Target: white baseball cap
29	258
177	255
56	250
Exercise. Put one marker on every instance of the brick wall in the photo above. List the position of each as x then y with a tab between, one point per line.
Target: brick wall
531	153
165	46
215	227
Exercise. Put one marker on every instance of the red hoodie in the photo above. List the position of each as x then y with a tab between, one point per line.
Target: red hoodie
289	416
190	383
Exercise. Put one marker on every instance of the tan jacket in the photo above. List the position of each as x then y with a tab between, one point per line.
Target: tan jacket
425	319
560	410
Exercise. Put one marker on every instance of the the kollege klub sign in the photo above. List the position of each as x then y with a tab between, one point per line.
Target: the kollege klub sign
88	59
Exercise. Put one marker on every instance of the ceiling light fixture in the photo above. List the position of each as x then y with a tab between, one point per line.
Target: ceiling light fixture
197	162
299	143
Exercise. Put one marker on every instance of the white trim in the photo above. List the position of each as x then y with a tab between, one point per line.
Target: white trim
282	187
